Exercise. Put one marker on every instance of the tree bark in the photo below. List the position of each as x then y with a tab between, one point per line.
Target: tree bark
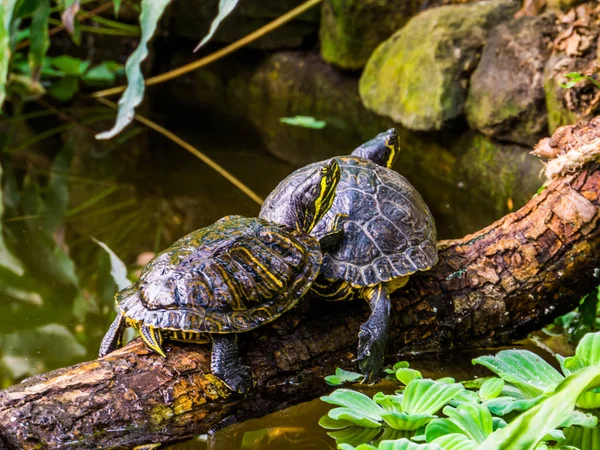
488	288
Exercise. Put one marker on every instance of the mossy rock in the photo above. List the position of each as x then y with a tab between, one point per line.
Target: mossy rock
351	29
419	76
506	96
192	19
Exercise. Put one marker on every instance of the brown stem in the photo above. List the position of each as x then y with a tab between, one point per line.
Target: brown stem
488	288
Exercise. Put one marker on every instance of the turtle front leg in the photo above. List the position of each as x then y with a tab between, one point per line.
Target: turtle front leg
113	339
373	333
227	365
330	240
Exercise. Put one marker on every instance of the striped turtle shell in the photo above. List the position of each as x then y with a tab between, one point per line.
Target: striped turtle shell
230	277
389	233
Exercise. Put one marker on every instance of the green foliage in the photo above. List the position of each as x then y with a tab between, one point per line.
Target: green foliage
584	319
576	77
152	11
538	403
342	376
6	12
225	8
118	269
304	121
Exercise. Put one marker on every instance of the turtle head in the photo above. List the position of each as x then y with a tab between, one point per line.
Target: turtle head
314	196
382	149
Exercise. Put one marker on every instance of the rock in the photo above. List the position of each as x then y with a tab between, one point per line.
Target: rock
505	176
506	96
351	29
192	19
563	5
419	76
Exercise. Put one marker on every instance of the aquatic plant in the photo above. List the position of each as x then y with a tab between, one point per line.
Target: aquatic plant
529	405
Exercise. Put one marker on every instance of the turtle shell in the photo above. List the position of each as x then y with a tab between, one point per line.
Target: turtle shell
389	233
232	276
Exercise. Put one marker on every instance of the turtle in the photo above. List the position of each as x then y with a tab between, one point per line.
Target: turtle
228	278
385	233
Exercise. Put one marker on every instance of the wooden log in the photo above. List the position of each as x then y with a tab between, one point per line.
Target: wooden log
488	288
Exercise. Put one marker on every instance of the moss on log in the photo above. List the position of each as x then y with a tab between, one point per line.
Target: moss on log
488	288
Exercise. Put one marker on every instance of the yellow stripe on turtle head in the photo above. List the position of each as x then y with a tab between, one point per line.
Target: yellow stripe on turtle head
330	177
393	144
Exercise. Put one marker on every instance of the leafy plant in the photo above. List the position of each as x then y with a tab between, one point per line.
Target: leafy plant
342	376
304	121
541	401
576	77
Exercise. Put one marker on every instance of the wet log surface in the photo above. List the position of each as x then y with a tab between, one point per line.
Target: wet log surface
489	288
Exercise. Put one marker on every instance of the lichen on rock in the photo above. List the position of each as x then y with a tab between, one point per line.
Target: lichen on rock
419	76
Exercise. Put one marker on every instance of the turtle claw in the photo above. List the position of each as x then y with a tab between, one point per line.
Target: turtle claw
237	378
371	348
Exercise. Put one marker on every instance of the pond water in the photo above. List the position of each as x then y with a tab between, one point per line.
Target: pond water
141	193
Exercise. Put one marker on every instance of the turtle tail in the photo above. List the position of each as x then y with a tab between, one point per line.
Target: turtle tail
113	339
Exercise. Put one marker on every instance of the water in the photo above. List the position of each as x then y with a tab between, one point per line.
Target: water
141	193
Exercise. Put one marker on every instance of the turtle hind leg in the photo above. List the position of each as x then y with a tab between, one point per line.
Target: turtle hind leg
113	339
227	365
373	333
153	339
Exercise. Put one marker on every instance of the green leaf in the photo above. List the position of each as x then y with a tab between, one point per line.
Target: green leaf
354	416
408	422
331	424
441	427
455	442
530	427
69	65
428	396
7	259
40	40
152	11
474	420
7	8
405	444
354	435
405	375
64	89
491	388
354	400
360	447
526	370
465	397
225	7
342	376
505	405
100	74
304	121
391	403
580	419
583	438
118	269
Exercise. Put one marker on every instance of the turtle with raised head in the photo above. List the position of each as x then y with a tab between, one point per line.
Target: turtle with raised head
228	278
386	233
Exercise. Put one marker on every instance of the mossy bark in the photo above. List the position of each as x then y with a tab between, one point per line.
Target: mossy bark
487	289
